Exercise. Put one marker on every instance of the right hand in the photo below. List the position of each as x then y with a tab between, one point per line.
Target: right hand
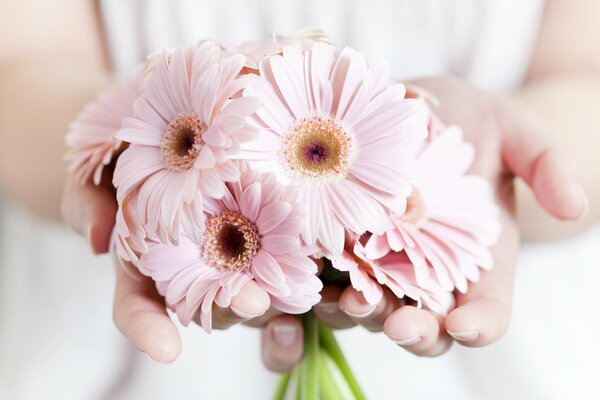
139	311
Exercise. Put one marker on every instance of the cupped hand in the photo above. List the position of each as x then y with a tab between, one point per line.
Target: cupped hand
139	311
510	143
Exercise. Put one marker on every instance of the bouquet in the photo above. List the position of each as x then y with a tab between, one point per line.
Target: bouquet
252	162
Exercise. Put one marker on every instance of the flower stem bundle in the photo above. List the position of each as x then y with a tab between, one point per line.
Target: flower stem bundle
323	372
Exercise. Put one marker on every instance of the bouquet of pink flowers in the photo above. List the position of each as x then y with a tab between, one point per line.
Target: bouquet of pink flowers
251	163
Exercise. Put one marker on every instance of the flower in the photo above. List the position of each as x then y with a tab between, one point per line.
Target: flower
128	239
91	136
451	218
396	272
255	51
306	36
252	233
187	124
336	129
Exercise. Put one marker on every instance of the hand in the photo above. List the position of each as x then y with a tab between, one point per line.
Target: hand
139	311
509	142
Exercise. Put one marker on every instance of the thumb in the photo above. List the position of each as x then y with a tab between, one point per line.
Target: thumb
528	153
90	211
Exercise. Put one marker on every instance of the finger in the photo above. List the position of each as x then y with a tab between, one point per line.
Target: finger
551	175
483	313
140	314
419	331
328	309
90	211
371	316
262	320
251	302
282	343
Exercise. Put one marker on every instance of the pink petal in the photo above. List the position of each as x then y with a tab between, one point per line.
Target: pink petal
204	92
288	72
242	106
322	59
178	81
279	244
271	216
269	274
206	158
290	227
210	183
348	72
377	247
250	201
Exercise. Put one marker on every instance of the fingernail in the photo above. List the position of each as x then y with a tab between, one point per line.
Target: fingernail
368	310
285	335
586	205
243	314
411	340
148	356
329	308
467	336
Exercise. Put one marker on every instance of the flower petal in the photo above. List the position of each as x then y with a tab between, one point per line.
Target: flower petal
269	275
271	216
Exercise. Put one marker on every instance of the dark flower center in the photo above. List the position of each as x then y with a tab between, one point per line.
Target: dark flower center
316	153
182	142
230	241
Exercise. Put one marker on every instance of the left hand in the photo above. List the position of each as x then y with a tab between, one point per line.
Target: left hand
510	143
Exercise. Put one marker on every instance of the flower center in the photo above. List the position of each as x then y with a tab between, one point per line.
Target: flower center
182	142
317	147
415	208
230	241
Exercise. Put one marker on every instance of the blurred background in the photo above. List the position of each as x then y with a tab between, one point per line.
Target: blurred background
57	338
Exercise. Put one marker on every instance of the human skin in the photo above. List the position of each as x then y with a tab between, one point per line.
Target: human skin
47	74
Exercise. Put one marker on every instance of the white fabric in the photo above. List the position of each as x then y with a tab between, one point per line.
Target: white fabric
57	340
486	41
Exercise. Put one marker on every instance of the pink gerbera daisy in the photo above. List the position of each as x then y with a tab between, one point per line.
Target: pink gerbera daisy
451	218
91	137
252	233
187	124
129	239
337	129
255	51
394	271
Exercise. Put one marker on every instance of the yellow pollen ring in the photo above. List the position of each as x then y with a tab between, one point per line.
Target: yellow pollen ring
317	147
230	241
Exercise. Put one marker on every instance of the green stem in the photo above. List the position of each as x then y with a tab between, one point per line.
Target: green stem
298	378
309	380
334	385
330	344
282	386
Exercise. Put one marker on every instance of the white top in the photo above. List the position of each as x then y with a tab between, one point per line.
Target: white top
485	41
57	339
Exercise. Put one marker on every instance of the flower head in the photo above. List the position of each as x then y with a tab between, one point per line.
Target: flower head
394	271
187	124
91	137
450	219
252	233
255	51
336	129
